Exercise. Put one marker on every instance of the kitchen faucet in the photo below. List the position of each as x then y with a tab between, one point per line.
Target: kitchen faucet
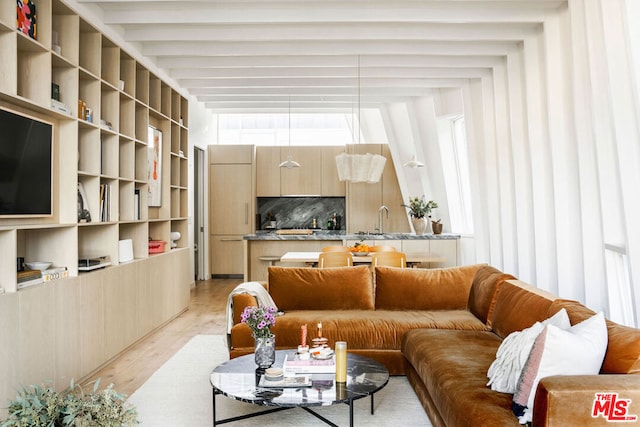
380	209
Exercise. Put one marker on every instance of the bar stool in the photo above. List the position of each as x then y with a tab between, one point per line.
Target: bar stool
271	259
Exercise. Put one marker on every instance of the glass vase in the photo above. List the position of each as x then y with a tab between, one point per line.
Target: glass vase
265	351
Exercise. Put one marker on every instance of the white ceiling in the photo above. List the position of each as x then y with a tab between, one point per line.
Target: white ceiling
243	55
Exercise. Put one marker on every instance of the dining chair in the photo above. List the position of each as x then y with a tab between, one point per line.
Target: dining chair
389	259
382	248
335	259
336	248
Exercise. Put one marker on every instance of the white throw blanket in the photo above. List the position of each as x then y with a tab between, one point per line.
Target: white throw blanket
254	289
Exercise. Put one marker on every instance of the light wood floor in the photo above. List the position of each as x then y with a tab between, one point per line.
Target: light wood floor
206	315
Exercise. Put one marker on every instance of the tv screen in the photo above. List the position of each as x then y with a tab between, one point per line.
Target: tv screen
25	165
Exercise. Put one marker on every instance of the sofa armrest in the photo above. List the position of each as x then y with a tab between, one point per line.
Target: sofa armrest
239	303
586	400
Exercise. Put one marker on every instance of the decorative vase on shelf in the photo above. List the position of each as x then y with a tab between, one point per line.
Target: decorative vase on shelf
436	226
265	351
420	225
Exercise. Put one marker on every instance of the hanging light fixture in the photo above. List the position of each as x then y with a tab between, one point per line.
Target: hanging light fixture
359	167
414	163
289	163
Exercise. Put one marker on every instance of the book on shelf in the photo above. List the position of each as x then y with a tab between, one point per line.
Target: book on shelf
136	204
54	273
294	365
105	202
29	282
23	276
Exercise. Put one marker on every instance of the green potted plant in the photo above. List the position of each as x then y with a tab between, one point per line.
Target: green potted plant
44	406
419	210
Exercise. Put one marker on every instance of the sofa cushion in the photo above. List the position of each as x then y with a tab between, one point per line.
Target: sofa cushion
623	348
423	289
484	292
519	306
341	288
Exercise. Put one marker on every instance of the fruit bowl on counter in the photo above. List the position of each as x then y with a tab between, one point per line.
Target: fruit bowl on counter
360	249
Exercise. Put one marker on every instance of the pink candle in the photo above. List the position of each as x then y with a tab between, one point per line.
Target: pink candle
303	338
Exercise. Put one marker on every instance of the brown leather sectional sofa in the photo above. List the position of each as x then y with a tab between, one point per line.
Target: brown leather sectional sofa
441	328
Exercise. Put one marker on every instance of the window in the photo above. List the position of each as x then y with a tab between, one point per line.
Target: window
619	285
455	165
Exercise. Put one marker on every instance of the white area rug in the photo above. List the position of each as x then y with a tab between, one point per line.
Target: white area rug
179	395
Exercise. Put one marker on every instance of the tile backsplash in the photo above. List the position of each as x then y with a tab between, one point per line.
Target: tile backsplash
299	212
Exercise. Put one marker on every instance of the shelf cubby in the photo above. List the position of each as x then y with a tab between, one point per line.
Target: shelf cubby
33	72
111	206
126	190
155	93
175	171
142	84
43	244
110	154
160	230
89	92
165	99
141	163
89	150
91	185
8	14
66	27
109	108
127	161
98	239
110	62
181	226
89	48
127	74
65	75
184	113
175	106
127	116
142	122
139	234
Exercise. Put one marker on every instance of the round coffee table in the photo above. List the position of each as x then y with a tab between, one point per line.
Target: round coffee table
238	379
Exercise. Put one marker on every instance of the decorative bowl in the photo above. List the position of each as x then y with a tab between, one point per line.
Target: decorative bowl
38	265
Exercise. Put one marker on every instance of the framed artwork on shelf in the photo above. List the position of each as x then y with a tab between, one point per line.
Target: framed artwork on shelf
154	167
26	17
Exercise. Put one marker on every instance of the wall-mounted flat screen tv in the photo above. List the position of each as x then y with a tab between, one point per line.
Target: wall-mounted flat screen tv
25	165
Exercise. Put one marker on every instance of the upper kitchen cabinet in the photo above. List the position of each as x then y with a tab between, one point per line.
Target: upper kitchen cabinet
267	171
331	185
316	176
305	180
231	154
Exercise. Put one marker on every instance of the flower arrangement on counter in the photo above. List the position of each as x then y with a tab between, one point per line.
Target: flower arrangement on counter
260	320
419	207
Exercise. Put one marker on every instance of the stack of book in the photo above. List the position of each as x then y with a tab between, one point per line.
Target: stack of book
28	278
54	273
294	365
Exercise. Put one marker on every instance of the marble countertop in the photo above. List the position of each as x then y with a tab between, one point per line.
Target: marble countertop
343	235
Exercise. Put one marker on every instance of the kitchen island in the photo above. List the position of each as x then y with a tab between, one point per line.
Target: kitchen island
273	244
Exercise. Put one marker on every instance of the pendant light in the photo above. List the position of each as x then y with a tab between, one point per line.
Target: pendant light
414	163
289	163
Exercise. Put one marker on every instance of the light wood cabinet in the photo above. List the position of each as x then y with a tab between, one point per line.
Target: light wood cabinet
305	180
317	176
230	202
231	209
331	185
69	327
447	248
267	171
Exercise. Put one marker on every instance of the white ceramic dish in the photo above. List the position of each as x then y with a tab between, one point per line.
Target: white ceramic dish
38	265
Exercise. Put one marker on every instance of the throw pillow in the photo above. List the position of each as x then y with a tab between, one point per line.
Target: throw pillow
512	354
578	350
